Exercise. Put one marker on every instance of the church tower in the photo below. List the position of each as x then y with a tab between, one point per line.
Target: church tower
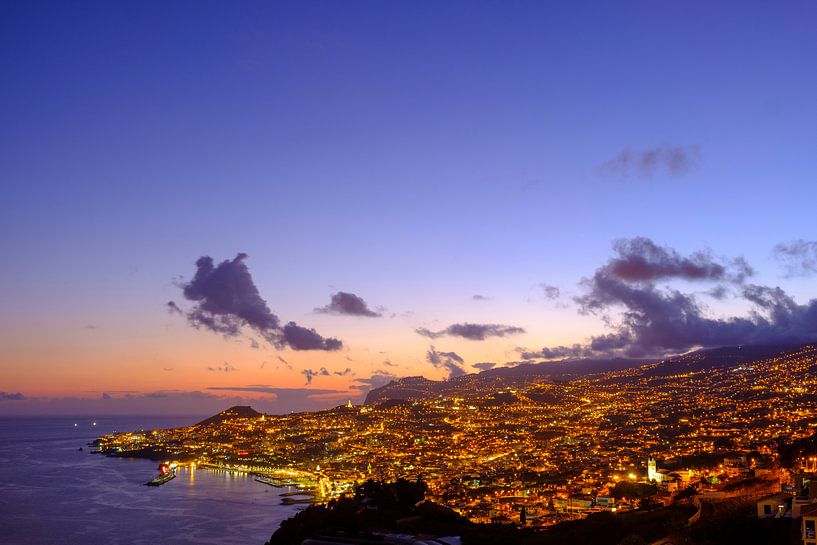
652	469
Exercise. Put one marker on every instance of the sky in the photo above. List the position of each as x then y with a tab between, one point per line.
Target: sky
418	188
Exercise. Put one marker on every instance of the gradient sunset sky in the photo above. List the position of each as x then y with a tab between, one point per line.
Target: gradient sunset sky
508	168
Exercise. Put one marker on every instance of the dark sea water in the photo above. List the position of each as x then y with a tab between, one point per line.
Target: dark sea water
51	493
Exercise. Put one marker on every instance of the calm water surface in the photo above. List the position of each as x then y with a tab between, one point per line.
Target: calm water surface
51	493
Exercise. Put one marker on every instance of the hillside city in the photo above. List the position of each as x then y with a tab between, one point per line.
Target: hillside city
534	450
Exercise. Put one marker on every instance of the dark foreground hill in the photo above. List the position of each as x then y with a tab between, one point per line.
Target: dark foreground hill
379	508
237	411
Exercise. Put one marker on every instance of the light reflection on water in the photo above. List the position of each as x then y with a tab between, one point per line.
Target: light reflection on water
52	493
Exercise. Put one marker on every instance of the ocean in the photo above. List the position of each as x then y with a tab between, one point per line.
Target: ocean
51	493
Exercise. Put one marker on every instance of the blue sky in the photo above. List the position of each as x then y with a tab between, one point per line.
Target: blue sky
413	154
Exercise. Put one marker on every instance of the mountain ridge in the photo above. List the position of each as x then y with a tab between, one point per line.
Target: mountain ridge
419	387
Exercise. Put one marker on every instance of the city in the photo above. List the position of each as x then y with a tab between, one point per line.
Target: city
539	451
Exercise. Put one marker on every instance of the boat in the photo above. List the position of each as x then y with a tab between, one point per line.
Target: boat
267	480
161	479
166	473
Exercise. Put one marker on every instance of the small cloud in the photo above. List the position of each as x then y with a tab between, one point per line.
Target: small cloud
388	363
646	163
348	304
285	362
106	396
90	326
167	368
450	361
301	338
478	297
799	257
345	372
485	365
550	292
8	396
226	368
173	308
310	374
474	332
378	379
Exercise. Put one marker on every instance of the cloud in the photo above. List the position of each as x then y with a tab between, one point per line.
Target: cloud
348	304
8	396
378	379
301	338
485	365
646	163
226	368
556	352
478	297
550	292
285	362
263	389
640	259
450	361
226	299
173	308
105	396
799	257
388	363
474	332
310	374
653	320
345	372
202	404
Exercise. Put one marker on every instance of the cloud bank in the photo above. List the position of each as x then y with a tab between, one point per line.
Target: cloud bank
657	320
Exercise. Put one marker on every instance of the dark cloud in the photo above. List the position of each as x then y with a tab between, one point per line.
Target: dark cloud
378	379
8	396
173	308
474	332
640	259
646	163
227	299
450	361
555	352
301	338
348	304
550	292
485	365
309	374
656	321
799	257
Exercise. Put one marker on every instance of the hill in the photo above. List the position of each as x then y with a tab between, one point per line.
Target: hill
418	387
235	412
